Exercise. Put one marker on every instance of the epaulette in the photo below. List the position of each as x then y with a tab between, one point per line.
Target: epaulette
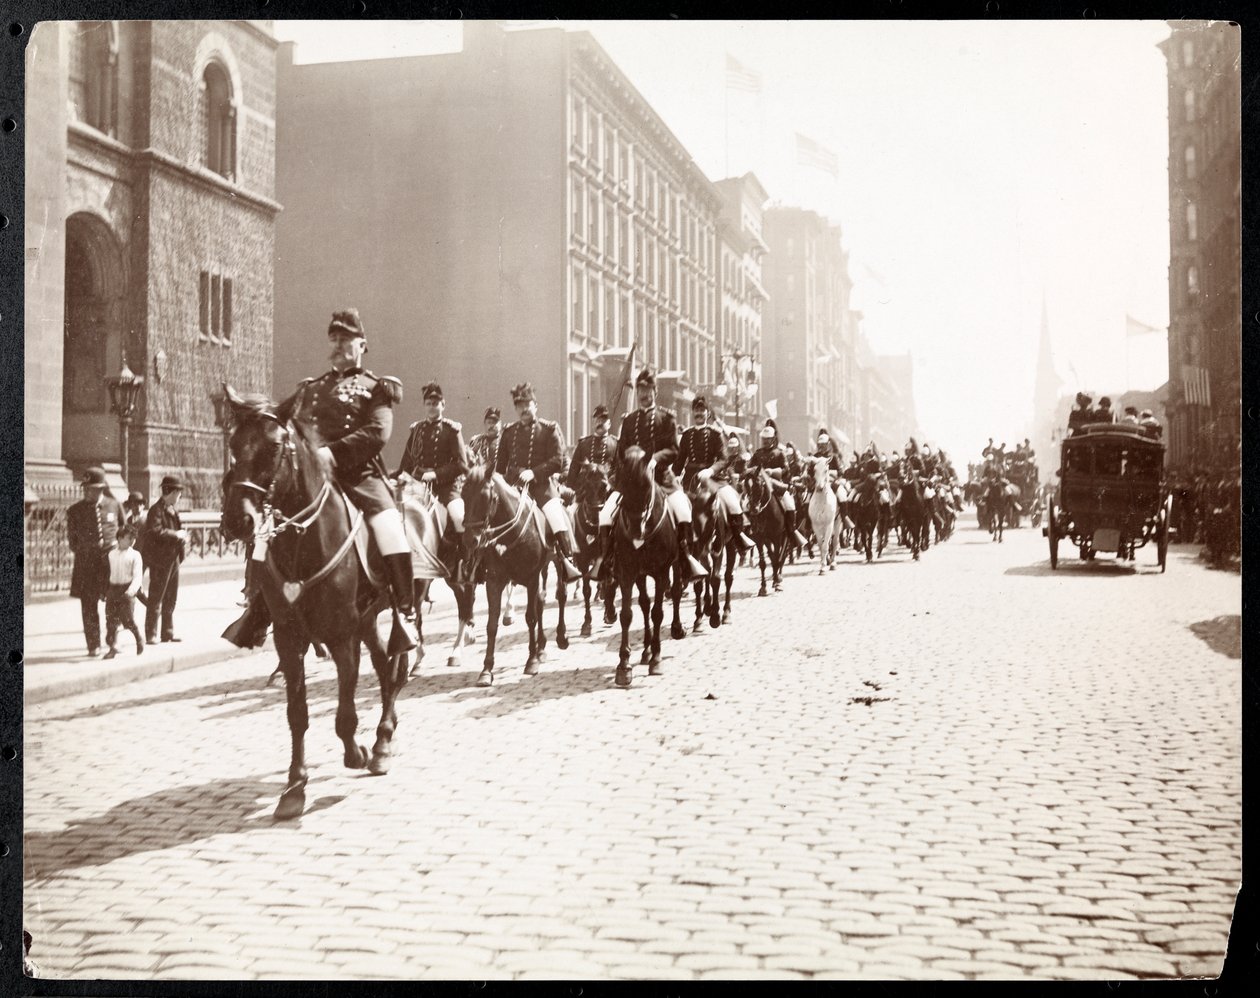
546	422
451	423
413	425
392	386
307	381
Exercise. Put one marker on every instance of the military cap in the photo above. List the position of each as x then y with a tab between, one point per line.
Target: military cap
345	321
135	497
645	377
431	390
524	392
493	412
601	411
700	402
1104	401
93	476
171	482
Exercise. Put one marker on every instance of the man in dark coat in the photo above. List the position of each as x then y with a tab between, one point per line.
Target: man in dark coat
91	526
435	454
701	453
163	544
598	448
483	447
531	453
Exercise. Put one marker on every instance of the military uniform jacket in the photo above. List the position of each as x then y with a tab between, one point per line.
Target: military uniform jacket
729	468
656	431
771	459
699	447
593	449
158	543
484	449
438	446
538	447
833	462
90	530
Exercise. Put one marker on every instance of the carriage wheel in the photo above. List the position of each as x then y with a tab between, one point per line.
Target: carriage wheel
1053	533
1161	534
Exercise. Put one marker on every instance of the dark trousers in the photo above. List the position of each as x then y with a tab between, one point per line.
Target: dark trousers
163	592
120	612
90	606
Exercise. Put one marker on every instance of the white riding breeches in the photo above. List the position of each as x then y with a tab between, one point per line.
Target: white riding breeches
679	505
455	509
609	509
788	500
387	528
557	516
729	498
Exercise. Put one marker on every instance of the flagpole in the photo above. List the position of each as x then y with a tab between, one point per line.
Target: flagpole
726	121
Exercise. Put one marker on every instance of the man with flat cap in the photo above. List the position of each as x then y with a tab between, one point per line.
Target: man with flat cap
163	544
598	448
701	451
435	454
1082	414
483	448
532	452
351	410
653	429
91	526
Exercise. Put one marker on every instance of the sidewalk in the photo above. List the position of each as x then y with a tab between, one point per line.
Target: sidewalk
56	663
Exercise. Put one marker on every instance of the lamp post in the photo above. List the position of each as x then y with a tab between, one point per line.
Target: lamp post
223	421
737	375
124	388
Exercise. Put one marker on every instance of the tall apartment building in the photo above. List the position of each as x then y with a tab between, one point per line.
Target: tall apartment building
808	354
150	211
1204	276
515	211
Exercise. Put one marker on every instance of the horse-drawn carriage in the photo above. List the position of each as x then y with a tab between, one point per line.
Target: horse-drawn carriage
1113	495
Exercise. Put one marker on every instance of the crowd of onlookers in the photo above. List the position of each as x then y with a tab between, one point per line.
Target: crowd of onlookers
1206	510
1086	412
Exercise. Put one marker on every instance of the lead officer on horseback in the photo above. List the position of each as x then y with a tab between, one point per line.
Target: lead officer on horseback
436	455
350	410
532	451
653	429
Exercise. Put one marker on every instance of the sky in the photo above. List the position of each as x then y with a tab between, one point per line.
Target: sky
983	167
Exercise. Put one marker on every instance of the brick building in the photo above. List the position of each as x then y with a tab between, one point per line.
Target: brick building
150	152
1204	277
512	211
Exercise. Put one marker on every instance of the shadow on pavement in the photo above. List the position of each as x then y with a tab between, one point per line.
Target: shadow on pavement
1075	568
1222	634
163	820
502	700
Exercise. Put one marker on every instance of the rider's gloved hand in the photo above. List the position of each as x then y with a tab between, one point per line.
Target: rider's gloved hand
325	456
429	477
525	477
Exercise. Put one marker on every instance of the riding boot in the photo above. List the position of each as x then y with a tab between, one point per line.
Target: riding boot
249	630
691	568
739	527
564	550
602	567
402	636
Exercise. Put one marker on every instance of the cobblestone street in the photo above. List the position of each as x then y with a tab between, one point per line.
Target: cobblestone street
968	767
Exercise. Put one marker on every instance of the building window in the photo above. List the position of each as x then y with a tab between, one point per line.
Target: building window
214	307
1190	165
219	122
592	135
576	280
1192	281
623	241
1187	53
623	324
592	219
610	141
94	75
610	234
610	317
1189	105
579	120
1192	227
592	303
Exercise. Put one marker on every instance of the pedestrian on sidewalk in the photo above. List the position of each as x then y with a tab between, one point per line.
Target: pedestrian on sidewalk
91	524
126	568
162	546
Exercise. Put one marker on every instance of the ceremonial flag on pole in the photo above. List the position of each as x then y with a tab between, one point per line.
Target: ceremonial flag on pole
1132	327
810	153
740	77
1194	383
772	408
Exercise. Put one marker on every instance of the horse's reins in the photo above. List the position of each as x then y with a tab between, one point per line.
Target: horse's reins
495	536
647	513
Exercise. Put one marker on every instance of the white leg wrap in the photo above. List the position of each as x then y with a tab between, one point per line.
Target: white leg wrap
455	510
557	516
387	528
609	509
729	498
680	505
789	502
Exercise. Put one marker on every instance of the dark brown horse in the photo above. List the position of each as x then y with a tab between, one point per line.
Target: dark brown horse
592	490
718	551
314	585
645	543
767	526
506	535
914	513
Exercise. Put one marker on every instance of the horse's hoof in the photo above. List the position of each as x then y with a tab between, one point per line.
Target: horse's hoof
624	677
697	627
507	619
292	803
486	678
778	588
610	617
761	591
584	632
452	662
415	671
654	669
379	765
562	641
726	617
356	758
645	657
677	632
531	667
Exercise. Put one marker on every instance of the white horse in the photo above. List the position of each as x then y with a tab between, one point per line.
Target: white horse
823	510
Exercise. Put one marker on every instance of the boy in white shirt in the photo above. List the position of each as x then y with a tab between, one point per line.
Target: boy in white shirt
126	569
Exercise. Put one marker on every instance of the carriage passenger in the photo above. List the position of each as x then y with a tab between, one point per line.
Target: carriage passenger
1082	414
1104	413
1150	425
435	455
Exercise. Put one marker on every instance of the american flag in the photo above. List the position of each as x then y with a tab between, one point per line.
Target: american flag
740	77
1194	383
810	153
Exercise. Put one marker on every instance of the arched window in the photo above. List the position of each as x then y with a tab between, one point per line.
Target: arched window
94	75
1190	164
1192	281
1192	223
1189	104
219	121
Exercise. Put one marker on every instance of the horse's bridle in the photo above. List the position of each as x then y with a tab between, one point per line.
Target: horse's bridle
487	536
304	517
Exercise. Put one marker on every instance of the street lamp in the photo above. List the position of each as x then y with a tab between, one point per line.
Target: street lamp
222	419
737	376
123	390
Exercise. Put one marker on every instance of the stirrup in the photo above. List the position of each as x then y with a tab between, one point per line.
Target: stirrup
571	572
695	570
402	635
